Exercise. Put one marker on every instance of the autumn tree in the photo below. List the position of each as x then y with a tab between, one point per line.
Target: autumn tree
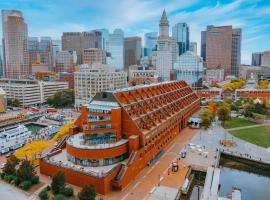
25	171
206	118
212	108
10	165
224	112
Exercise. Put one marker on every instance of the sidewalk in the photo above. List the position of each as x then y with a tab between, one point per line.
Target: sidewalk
152	177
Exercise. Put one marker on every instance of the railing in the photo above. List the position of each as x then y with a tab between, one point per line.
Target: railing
121	173
79	169
131	158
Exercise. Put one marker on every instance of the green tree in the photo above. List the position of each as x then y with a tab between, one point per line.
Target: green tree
26	171
63	98
87	193
9	168
206	118
224	112
58	182
13	102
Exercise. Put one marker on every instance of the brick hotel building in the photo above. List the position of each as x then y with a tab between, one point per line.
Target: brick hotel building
120	132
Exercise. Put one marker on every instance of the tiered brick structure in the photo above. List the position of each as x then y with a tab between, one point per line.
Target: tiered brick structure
121	132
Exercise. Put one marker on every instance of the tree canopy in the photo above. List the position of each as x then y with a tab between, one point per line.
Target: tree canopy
13	102
87	193
224	112
58	182
63	98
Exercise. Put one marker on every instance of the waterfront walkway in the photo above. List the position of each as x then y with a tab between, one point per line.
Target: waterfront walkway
211	140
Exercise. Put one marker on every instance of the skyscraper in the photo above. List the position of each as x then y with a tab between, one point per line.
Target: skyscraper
56	47
71	41
46	51
15	39
150	45
105	37
76	41
91	39
180	32
221	48
256	59
236	51
193	47
167	49
133	51
1	62
115	49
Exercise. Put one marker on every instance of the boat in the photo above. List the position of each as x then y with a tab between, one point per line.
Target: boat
13	138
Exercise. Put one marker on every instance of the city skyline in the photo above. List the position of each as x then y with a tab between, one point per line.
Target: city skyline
44	19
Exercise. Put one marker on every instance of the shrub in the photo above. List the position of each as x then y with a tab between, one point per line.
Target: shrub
25	185
59	197
68	191
35	179
3	175
9	178
87	193
43	195
48	187
16	181
58	182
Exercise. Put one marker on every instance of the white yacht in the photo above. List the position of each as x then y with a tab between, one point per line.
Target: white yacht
13	138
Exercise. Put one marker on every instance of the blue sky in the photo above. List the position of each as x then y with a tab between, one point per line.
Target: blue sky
136	17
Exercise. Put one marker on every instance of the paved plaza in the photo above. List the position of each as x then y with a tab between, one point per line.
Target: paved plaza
211	140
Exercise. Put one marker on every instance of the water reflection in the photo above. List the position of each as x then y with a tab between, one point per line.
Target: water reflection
253	186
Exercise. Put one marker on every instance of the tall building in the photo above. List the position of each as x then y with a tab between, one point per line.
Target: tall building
76	41
221	48
266	58
189	68
256	59
150	45
236	51
133	51
71	41
94	55
91	39
89	80
180	32
167	49
56	47
105	37
33	49
65	61
15	43
1	63
46	51
193	47
115	49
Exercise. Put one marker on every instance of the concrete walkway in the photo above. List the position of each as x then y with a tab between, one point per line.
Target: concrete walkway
211	140
8	192
245	127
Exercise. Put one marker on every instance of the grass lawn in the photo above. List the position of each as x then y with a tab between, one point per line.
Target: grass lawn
257	135
238	122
